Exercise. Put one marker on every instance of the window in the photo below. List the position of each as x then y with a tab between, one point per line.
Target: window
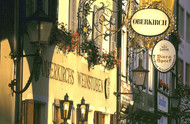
180	70
163	81
188	28
187	74
150	74
181	22
108	44
33	112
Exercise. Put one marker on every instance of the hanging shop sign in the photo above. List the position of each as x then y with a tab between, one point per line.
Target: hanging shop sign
150	22
162	102
164	56
107	88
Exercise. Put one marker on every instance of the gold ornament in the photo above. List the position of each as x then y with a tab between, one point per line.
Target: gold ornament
85	29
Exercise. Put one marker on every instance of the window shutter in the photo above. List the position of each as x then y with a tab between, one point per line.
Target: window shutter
95	117
113	36
72	15
97	30
57	112
101	118
27	111
114	119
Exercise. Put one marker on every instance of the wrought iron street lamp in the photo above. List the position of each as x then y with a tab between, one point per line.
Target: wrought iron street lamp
39	25
140	75
83	111
175	101
66	106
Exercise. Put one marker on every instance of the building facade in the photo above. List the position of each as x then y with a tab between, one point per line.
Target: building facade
55	73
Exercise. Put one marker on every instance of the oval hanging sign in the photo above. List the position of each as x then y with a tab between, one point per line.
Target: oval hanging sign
150	22
164	56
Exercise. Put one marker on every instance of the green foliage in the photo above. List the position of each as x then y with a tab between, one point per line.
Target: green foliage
92	52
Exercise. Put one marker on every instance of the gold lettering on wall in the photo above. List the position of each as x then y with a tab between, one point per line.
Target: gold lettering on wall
90	82
57	72
63	74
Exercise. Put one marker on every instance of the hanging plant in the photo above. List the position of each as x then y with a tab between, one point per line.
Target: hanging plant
110	60
180	89
163	85
65	39
92	51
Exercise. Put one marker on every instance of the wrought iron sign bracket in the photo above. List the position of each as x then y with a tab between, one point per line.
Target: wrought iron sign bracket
13	56
124	93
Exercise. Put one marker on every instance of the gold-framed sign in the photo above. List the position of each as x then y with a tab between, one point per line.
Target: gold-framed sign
150	22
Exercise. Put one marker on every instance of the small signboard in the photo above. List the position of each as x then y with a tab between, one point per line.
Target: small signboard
162	102
164	56
107	88
125	88
150	22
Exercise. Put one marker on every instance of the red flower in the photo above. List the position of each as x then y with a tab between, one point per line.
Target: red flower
72	39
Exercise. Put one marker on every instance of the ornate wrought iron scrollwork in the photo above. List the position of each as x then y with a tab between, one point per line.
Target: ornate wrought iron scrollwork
103	16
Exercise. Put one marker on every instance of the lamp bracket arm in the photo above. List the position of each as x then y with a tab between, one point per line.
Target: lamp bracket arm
29	55
56	106
13	83
119	93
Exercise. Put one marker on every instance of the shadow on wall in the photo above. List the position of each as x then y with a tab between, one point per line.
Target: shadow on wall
6	75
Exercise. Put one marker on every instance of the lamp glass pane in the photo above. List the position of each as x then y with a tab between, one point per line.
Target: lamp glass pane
175	102
83	112
139	78
32	29
45	30
65	109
